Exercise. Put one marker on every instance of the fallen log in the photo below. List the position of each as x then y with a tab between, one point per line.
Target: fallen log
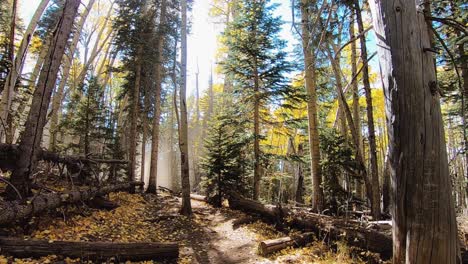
325	227
16	210
198	197
270	213
9	155
270	246
96	251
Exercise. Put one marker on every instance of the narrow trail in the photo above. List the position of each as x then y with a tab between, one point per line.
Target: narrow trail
218	242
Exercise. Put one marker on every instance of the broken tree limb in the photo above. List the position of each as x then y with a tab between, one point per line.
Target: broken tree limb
89	250
16	210
325	227
270	246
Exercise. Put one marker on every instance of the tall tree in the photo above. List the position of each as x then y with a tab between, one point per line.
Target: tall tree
424	223
18	63
32	135
373	175
157	97
257	62
186	208
8	93
310	83
67	61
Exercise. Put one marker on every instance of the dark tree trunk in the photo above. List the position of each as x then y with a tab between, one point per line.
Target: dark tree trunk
374	190
424	223
32	135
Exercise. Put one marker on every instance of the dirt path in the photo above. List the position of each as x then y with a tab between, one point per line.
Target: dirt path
218	242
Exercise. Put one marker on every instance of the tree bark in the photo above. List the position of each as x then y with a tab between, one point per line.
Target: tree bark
186	208
157	105
257	175
17	65
32	135
134	113
95	251
325	227
310	82
18	210
374	192
424	223
7	94
355	92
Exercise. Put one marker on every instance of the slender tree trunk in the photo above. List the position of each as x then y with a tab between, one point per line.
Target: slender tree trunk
174	115
355	92
183	135
7	93
134	114
310	80
424	223
31	138
257	175
17	64
144	120
374	172
157	105
67	64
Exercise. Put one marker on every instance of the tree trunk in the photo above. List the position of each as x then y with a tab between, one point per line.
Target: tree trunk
32	135
374	192
157	105
355	91
18	210
424	223
95	251
183	135
67	61
257	175
17	64
7	93
300	176
134	113
310	82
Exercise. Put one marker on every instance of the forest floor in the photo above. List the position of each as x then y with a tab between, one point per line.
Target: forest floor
208	237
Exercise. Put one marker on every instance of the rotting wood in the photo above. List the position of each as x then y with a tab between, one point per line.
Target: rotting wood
325	227
89	250
16	210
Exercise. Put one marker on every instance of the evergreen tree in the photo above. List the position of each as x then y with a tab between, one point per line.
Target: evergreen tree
225	166
257	63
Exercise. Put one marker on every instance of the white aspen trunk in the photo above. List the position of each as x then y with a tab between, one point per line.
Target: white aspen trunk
186	208
310	79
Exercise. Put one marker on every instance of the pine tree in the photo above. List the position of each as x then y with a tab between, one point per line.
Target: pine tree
225	167
257	64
